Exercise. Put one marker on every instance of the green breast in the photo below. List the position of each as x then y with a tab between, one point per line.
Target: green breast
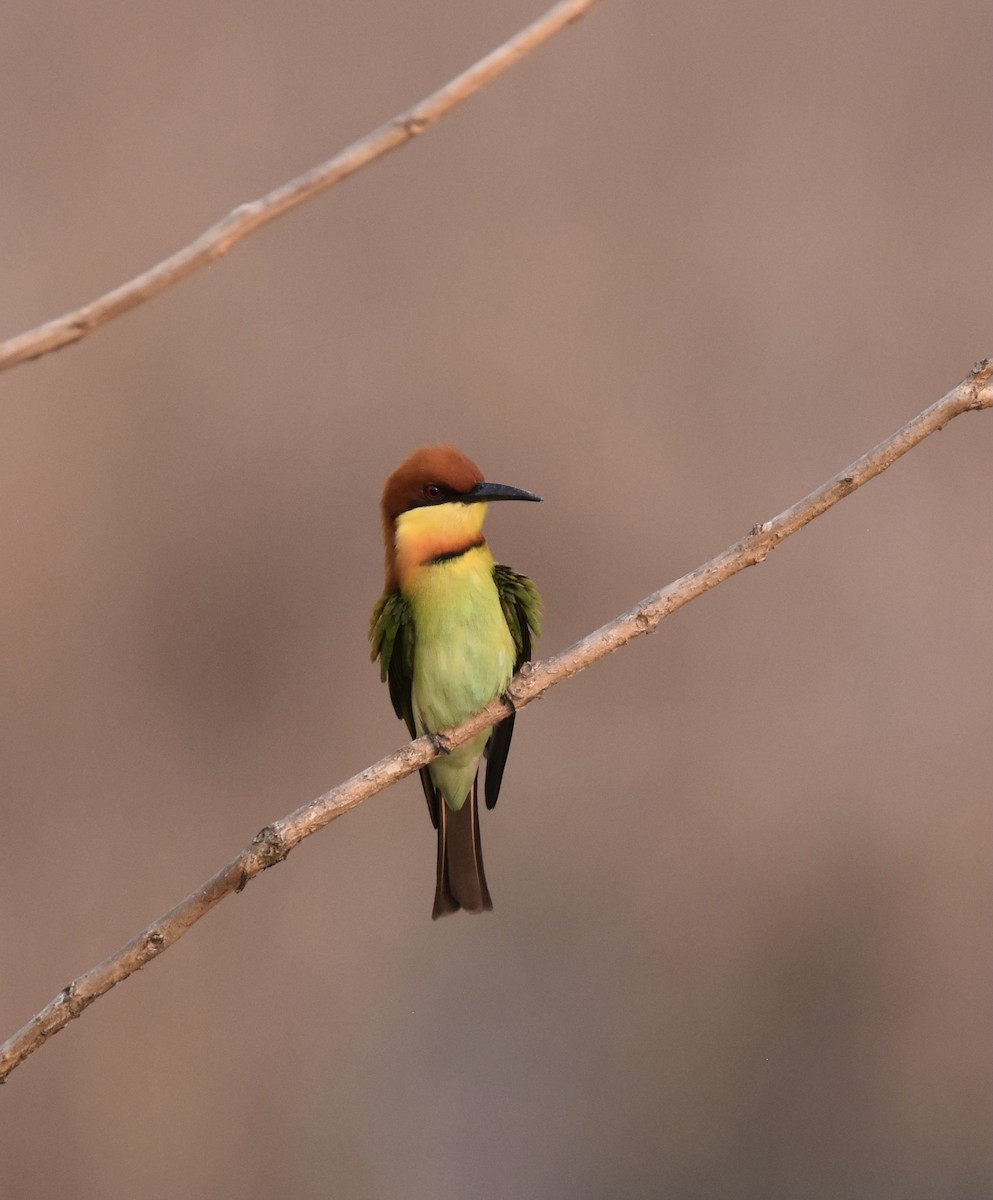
463	657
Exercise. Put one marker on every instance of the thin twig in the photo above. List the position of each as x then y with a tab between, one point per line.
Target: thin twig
246	218
275	841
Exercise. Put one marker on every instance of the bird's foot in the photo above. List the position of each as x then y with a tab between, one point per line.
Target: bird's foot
439	743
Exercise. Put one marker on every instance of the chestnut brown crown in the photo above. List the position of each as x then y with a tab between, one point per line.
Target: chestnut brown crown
427	476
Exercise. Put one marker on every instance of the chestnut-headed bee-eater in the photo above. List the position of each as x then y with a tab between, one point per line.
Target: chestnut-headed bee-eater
450	630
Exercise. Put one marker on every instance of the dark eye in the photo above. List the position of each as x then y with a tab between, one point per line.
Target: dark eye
432	491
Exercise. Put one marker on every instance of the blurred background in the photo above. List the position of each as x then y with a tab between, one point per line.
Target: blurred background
672	272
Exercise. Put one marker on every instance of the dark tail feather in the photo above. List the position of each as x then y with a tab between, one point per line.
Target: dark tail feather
461	879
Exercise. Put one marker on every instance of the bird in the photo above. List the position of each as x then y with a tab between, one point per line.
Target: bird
450	630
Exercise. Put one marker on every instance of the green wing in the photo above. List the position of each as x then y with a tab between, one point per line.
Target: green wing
391	633
522	610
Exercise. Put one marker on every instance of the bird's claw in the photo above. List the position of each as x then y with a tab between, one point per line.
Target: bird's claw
439	743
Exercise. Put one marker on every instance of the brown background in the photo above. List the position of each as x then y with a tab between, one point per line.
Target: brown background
672	273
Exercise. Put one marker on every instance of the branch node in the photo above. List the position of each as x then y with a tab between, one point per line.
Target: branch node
268	849
74	1003
979	381
412	124
516	692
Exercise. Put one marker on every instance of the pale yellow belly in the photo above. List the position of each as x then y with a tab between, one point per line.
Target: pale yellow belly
464	656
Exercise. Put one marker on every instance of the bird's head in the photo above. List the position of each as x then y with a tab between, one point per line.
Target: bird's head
434	503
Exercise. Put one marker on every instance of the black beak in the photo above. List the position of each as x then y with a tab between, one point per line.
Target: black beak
496	491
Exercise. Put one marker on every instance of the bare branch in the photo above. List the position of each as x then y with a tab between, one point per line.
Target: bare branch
246	218
275	841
